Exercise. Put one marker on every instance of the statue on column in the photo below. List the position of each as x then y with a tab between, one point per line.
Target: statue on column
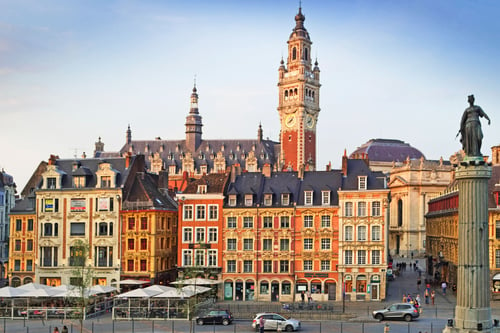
470	128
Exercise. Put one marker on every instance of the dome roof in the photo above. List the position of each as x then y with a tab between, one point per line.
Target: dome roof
387	150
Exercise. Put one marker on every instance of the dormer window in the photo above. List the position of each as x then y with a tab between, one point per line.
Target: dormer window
105	181
203	169
78	181
268	199
171	169
362	182
202	189
308	198
51	182
325	197
285	199
248	199
232	200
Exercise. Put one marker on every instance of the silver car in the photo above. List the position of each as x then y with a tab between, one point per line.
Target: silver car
273	321
404	311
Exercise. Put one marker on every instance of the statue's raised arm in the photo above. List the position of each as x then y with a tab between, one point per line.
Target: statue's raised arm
470	128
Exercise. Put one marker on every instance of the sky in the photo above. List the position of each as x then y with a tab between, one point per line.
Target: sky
72	71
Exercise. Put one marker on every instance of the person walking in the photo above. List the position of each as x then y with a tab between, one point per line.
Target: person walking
303	296
433	295
261	324
426	295
56	329
309	297
404	298
443	286
64	329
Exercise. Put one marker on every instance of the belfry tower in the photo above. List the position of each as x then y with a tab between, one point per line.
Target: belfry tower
298	101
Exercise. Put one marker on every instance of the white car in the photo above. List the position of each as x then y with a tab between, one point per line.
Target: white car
273	321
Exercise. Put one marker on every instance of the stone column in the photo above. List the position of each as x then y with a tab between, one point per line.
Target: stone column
473	312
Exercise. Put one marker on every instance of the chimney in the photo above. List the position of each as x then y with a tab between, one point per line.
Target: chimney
301	172
495	155
163	181
52	159
329	166
84	155
127	160
266	170
344	163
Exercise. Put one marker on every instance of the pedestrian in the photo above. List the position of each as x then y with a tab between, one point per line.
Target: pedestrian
64	329
404	298
426	295
303	296
417	299
443	286
433	295
408	298
261	324
56	330
309	297
419	282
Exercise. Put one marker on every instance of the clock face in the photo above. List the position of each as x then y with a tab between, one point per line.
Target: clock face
309	121
290	120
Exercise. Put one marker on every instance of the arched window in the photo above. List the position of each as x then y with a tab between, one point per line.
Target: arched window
294	53
286	94
306	55
400	213
295	92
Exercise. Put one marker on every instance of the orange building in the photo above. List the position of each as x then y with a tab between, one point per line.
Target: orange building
149	231
23	241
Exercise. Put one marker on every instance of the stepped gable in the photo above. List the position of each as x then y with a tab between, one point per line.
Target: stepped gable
387	150
319	181
356	168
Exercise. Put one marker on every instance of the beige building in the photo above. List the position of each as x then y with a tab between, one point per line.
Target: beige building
412	185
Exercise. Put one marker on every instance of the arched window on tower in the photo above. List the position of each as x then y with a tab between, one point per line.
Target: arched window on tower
295	92
294	53
400	213
286	95
306	55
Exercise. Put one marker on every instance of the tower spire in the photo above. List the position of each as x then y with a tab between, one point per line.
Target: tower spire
193	122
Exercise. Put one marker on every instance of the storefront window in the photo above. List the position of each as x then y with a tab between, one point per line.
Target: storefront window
361	284
316	287
264	288
285	288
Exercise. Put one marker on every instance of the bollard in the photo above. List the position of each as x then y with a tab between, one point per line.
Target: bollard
386	328
431	328
92	326
113	326
153	327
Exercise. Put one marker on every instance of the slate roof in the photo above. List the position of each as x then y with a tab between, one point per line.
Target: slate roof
144	193
215	182
24	206
319	181
234	151
88	167
387	150
355	168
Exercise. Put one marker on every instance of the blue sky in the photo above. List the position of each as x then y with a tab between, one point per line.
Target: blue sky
73	71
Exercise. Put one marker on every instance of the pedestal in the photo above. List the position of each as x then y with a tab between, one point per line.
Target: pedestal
473	312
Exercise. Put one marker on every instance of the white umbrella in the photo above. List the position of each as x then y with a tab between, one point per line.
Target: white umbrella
159	288
197	281
40	293
195	289
75	292
130	281
33	286
139	293
175	293
7	292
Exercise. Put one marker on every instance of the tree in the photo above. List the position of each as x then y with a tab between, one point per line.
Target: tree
81	276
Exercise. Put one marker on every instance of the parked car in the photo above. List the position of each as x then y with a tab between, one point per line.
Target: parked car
223	317
404	311
273	321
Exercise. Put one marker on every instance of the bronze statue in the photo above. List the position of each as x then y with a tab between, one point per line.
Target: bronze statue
470	128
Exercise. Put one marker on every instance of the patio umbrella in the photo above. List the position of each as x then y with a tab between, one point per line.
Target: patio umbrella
98	289
7	292
175	293
42	292
130	281
33	286
195	289
139	293
159	288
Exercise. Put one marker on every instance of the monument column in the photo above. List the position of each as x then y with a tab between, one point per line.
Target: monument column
473	312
